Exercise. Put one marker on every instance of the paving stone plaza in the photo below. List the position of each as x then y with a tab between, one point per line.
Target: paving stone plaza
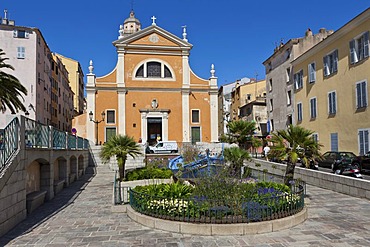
81	215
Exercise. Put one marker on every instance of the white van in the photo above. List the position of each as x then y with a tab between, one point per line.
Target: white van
164	147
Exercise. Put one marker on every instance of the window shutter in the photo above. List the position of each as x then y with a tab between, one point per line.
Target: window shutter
326	66
295	78
23	52
335	62
363	94
352	51
313	68
361	141
334	102
358	93
26	34
15	34
330	103
366	141
366	44
309	72
334	141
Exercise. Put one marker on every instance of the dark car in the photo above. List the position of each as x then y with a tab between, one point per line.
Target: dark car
363	162
335	159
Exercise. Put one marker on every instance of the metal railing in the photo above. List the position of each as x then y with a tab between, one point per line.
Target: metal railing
36	135
9	140
259	207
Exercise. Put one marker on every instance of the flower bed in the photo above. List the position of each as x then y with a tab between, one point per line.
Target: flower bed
247	202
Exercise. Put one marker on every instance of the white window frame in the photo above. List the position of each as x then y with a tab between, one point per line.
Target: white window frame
359	48
362	99
330	62
315	137
105	131
332	108
299	111
363	147
106	116
288	71
289	97
21	52
332	144
313	107
146	78
271	104
270	84
193	110
298	80
312	72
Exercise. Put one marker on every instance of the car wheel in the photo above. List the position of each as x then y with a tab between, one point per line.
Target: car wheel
357	165
337	171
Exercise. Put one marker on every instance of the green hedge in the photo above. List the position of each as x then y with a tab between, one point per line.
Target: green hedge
148	173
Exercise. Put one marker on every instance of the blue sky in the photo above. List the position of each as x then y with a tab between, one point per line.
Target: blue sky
236	36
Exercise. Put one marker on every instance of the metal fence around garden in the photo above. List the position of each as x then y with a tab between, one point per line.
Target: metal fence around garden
200	210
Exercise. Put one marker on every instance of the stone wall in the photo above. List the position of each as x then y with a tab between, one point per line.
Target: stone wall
12	196
343	184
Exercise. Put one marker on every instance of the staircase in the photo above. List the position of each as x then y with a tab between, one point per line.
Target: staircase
113	165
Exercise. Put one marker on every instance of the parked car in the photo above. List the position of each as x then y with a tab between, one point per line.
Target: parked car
335	160
163	147
362	162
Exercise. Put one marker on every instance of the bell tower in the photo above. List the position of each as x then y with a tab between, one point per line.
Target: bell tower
130	25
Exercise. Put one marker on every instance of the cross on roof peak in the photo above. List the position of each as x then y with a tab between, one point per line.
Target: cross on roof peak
153	19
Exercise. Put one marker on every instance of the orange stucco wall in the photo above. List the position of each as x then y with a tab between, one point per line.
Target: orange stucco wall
141	91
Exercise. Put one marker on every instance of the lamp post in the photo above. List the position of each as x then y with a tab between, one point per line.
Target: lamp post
91	114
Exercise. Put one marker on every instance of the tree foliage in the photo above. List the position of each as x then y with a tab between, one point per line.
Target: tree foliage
241	132
121	147
11	89
236	157
295	143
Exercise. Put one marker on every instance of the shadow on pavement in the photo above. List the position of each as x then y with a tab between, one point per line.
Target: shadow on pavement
49	208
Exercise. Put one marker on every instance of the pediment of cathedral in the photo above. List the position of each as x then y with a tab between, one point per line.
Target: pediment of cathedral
152	36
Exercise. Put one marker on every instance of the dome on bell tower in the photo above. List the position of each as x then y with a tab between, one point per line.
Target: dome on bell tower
131	24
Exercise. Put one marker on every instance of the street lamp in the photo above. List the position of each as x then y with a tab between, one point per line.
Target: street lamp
91	114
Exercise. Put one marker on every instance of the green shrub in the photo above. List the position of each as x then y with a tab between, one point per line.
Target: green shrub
148	173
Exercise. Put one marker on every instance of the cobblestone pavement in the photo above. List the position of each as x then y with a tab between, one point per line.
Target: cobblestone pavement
81	216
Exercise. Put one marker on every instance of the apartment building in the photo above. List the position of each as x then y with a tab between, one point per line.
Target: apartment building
224	102
32	60
331	88
76	80
279	80
249	104
62	96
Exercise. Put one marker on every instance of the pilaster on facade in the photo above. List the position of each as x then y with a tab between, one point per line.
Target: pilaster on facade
185	71
121	111
121	69
185	116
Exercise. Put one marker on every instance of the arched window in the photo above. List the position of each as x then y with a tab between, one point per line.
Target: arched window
140	71
153	69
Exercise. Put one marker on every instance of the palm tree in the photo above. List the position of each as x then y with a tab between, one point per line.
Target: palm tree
292	144
236	156
10	88
241	132
120	146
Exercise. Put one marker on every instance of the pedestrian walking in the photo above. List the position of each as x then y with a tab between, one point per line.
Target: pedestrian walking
266	150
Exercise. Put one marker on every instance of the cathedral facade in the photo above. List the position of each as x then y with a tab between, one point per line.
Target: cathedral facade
152	93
